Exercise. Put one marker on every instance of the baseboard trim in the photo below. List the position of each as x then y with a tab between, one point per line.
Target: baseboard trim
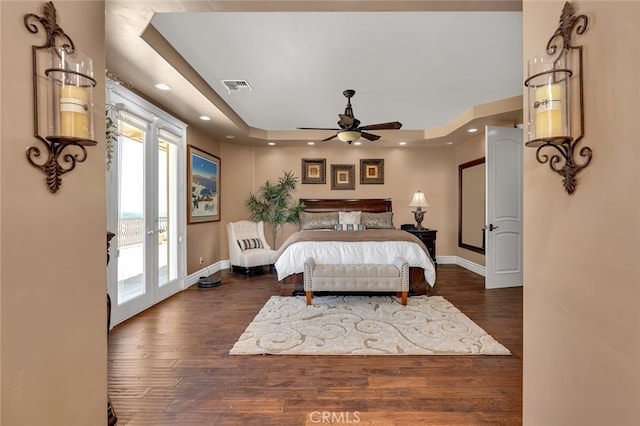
206	271
464	263
447	260
473	267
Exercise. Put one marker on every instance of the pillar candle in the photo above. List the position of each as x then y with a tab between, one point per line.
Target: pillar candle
549	111
74	112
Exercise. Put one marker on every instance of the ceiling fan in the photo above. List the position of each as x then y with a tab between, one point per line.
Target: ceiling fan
349	127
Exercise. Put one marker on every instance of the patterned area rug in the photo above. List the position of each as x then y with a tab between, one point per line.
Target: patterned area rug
364	325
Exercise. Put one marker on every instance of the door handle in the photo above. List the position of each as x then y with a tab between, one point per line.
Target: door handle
491	227
151	232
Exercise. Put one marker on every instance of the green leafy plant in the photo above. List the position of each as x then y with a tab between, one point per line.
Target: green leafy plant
112	134
273	204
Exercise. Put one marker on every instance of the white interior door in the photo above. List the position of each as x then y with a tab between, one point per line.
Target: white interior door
146	209
503	230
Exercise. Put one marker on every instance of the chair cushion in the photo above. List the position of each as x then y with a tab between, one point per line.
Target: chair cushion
250	243
255	257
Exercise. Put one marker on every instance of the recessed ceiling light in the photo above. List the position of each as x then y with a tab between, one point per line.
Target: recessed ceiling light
448	143
357	143
205	118
311	143
472	130
271	143
230	137
162	86
402	143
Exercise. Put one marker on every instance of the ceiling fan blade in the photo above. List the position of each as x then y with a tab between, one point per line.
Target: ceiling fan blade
383	126
316	128
328	139
369	136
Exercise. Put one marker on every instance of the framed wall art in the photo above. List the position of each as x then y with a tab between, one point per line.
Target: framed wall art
343	176
314	170
372	171
203	180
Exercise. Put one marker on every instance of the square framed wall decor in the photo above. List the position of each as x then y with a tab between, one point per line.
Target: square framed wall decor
343	176
314	170
372	171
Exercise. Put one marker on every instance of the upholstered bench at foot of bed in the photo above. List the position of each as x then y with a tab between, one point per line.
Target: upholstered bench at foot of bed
356	277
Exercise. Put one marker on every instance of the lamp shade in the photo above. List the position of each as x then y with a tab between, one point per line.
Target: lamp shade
349	135
418	200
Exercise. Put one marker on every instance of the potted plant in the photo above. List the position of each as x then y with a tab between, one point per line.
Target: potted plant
272	203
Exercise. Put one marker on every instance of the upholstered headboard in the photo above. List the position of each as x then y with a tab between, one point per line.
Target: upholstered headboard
372	205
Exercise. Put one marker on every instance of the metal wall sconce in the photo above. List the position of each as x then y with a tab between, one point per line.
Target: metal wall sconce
62	99
555	85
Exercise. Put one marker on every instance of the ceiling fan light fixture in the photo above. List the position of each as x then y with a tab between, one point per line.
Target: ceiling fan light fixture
348	136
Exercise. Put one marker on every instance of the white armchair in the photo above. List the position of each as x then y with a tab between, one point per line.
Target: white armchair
249	251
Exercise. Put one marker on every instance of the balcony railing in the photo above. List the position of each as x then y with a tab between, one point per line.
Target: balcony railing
131	230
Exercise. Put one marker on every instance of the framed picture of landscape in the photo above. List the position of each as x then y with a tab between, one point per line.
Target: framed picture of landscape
203	180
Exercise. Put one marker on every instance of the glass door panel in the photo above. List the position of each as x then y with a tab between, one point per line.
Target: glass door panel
167	205
130	235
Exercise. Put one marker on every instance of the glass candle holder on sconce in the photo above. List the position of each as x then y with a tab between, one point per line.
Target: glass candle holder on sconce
62	100
69	97
548	98
555	101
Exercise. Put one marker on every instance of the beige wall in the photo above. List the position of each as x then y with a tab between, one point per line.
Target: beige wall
406	170
203	238
465	152
238	177
53	249
581	269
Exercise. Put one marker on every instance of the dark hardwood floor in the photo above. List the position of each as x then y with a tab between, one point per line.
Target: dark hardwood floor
170	365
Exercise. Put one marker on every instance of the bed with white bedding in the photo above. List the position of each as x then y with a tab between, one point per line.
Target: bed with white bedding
372	240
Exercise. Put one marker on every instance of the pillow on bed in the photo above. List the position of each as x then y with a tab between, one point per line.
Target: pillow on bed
377	220
323	220
350	227
349	218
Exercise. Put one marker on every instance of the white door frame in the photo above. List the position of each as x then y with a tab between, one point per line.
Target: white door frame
119	97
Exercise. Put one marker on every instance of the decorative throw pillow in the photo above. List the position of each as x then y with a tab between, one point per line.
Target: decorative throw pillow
350	227
349	217
250	243
318	220
377	220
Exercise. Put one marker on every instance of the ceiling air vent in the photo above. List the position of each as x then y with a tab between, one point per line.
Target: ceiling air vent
236	85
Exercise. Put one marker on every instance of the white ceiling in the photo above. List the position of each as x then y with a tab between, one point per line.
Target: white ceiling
434	71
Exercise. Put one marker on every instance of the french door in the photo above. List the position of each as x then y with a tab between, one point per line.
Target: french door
145	206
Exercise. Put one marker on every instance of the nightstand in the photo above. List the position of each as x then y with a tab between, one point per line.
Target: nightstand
428	237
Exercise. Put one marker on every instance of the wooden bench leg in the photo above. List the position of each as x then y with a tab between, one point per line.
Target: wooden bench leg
404	298
309	293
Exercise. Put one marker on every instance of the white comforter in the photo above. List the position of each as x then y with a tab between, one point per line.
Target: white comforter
291	260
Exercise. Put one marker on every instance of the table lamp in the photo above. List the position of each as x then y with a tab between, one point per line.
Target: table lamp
419	201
